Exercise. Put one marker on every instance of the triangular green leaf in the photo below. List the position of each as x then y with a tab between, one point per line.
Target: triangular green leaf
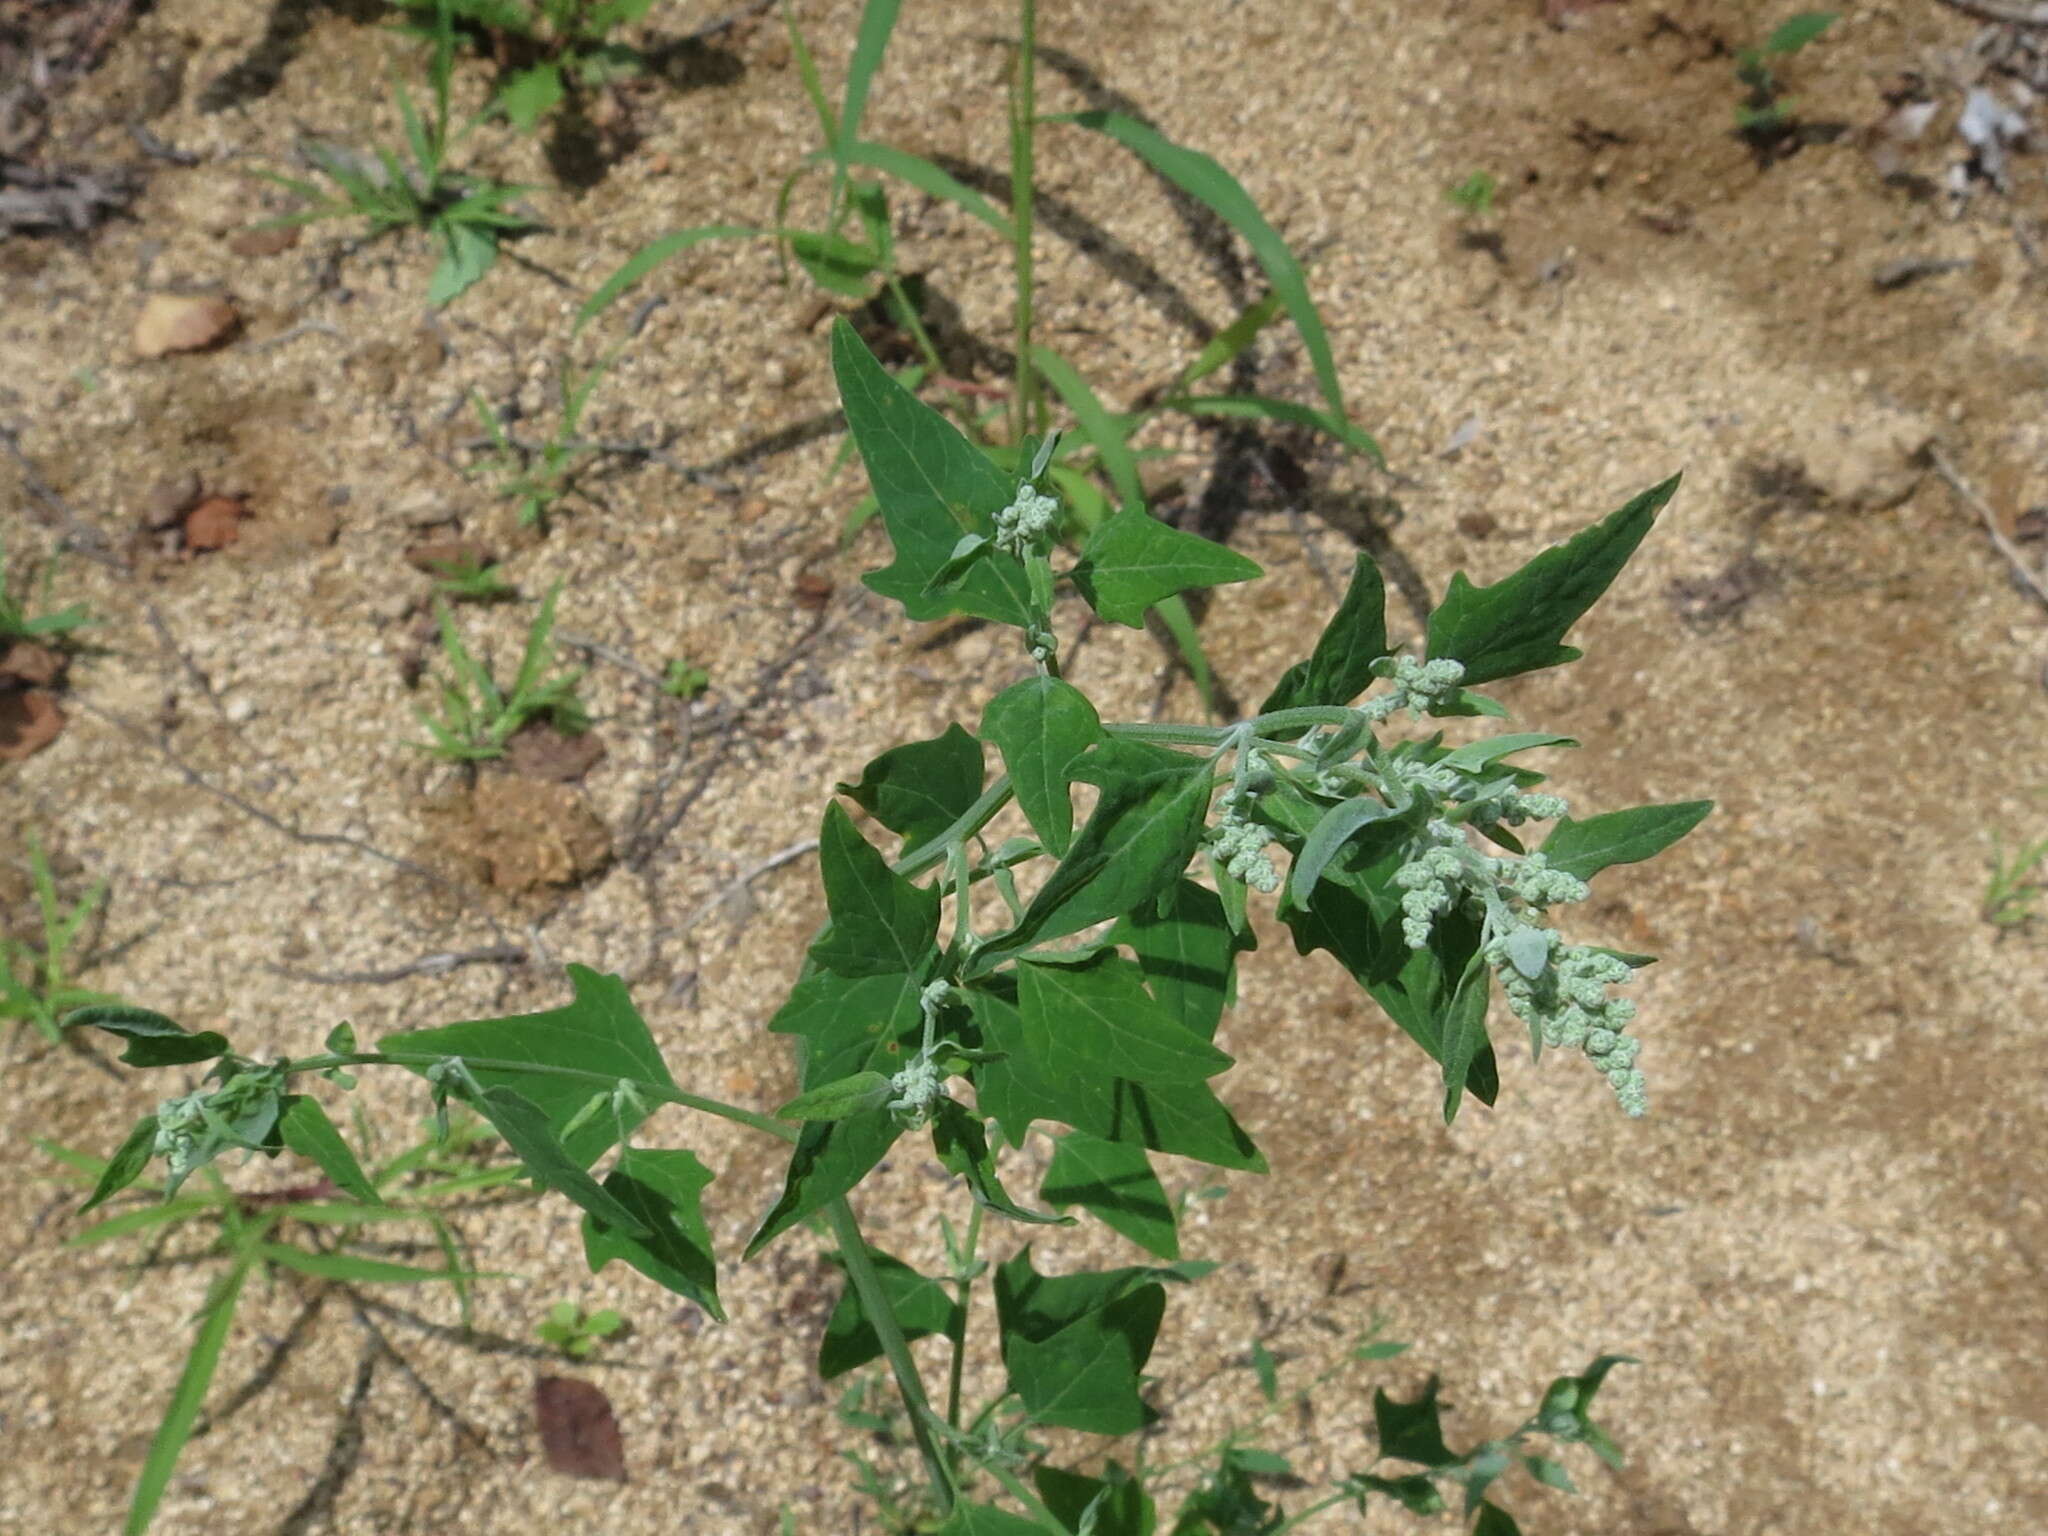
1134	560
881	923
1097	1020
1584	848
919	789
1340	668
932	485
308	1132
922	1306
1114	1182
1041	727
664	1189
1515	625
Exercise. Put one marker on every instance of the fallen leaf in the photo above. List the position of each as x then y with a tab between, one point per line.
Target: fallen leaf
29	721
435	553
538	751
26	664
215	523
263	242
174	322
578	1432
812	591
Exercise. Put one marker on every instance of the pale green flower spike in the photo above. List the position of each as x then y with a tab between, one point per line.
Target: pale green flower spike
1567	1006
1239	843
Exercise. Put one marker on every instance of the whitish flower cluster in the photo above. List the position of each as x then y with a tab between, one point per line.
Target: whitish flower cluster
1435	879
1567	1005
1026	520
1239	843
918	1089
1417	685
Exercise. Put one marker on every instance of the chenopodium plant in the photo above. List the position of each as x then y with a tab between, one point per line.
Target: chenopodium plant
1086	1000
552	49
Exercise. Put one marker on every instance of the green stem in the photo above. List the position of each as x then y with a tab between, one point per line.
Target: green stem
655	1091
1294	1521
1015	1486
958	1333
1023	112
1216	735
874	1304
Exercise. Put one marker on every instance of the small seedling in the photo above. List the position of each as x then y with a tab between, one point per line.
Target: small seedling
539	477
2015	887
577	1333
554	50
1763	116
19	619
683	681
465	215
1474	196
325	1229
470	580
477	716
34	987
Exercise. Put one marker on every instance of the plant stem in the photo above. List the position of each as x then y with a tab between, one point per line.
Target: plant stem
1015	1487
958	1335
655	1091
1023	113
874	1305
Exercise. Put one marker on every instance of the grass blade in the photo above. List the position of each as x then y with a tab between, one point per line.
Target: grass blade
353	1267
1226	344
1207	182
927	178
877	22
1266	408
647	258
215	1315
1096	423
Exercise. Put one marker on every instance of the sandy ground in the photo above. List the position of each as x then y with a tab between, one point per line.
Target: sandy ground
1823	1244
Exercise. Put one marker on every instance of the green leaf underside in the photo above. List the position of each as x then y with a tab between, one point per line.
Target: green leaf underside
1041	727
932	485
922	1307
1134	561
1075	1344
1114	1182
308	1132
1119	1503
1516	625
597	1036
153	1040
1340	667
921	788
664	1188
535	1142
1584	848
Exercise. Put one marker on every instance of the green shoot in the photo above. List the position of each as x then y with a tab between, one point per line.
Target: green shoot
35	987
19	618
577	1333
466	216
568	45
2015	887
1762	115
478	716
683	681
470	580
1474	196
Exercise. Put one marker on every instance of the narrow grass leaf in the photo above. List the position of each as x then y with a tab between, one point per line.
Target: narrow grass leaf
215	1316
1266	408
1102	430
308	1131
650	256
353	1268
1207	182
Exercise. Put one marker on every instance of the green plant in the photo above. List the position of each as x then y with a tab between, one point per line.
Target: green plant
19	619
551	49
538	478
853	256
325	1230
477	716
470	580
1474	196
34	986
2014	888
1763	115
577	1333
992	982
680	680
465	215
